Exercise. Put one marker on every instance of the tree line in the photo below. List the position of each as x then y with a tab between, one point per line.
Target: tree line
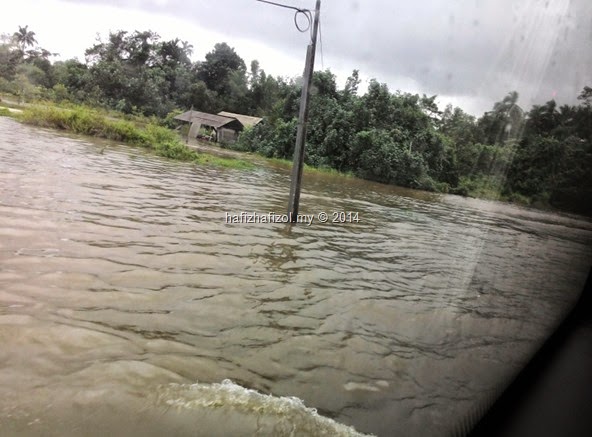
540	156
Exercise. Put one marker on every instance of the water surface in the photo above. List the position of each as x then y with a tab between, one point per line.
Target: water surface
126	300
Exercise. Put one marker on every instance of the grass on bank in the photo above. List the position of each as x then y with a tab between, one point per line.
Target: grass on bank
158	139
287	163
491	188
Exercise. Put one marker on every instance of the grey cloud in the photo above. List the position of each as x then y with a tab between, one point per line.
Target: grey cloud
465	48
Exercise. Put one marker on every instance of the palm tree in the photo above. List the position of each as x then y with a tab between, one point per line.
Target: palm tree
187	48
24	38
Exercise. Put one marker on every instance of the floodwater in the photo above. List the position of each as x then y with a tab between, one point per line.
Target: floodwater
128	306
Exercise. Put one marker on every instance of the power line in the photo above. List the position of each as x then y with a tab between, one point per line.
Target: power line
283	6
308	14
299	11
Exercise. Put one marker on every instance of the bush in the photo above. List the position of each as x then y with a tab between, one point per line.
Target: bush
487	187
169	121
518	198
59	93
175	150
270	140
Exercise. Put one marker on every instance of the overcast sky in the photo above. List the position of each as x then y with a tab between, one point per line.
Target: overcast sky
469	52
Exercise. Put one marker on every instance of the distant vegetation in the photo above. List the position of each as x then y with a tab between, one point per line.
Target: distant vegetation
542	156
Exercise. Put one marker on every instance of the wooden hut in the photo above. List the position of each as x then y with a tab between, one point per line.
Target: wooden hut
226	128
246	120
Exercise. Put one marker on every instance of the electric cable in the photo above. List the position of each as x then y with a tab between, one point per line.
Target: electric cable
299	11
308	16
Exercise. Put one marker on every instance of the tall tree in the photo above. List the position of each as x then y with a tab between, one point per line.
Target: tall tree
9	57
505	122
24	38
216	70
352	84
586	97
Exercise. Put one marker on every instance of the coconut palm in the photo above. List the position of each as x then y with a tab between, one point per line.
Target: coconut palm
187	48
24	38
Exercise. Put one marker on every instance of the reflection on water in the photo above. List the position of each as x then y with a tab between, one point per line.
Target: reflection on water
121	287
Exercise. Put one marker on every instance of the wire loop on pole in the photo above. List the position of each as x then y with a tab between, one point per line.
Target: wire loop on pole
307	13
308	16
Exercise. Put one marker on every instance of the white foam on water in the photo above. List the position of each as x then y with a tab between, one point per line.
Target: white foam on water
363	386
351	386
288	415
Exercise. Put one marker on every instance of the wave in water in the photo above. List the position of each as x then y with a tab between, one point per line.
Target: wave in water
278	416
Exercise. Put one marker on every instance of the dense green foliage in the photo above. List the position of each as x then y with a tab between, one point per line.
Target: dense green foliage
542	156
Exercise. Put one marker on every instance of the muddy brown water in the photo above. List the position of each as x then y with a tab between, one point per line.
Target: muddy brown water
129	306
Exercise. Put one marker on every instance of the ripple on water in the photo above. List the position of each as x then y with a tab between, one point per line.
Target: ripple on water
121	285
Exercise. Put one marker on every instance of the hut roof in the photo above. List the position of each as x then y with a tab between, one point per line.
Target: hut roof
246	120
215	121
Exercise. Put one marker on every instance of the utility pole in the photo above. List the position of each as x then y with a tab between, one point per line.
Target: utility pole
294	200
